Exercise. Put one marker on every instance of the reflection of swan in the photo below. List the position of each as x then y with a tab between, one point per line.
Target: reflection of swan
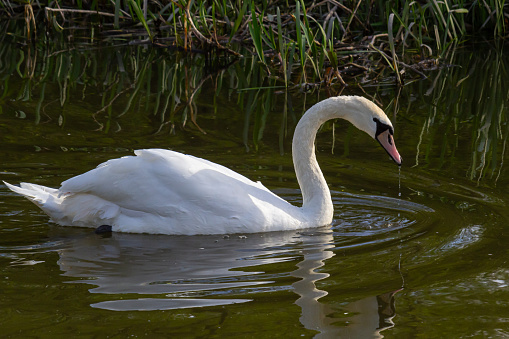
314	313
161	191
131	272
150	272
369	316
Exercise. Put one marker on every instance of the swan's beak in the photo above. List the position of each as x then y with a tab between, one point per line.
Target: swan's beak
387	141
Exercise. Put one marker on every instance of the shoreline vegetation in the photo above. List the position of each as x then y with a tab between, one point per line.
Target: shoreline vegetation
303	43
61	63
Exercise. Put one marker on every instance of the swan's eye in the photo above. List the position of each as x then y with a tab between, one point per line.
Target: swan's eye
382	127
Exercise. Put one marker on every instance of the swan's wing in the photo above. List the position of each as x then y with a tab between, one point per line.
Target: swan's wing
168	183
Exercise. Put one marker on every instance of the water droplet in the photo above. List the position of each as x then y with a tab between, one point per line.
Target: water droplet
399	181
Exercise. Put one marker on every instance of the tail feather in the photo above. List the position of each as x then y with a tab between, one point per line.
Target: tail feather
68	209
36	193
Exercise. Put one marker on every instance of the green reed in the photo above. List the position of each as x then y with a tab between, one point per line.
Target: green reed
299	43
45	78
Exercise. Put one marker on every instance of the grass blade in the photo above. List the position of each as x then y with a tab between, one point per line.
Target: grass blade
139	14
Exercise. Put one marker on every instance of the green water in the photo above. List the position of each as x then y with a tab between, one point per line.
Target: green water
428	259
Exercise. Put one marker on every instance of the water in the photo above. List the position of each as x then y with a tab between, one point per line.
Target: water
420	252
399	181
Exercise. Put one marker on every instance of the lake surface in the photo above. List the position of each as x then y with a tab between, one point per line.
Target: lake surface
417	253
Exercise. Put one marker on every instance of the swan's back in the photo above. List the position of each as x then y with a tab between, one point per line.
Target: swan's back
165	192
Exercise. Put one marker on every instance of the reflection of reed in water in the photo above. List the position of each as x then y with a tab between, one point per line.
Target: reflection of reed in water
115	87
473	114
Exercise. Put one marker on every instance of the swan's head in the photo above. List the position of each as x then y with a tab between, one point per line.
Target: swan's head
368	117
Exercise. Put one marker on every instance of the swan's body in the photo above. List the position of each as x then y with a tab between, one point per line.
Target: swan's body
164	192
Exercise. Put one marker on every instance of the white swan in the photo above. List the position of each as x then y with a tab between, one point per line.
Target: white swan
164	192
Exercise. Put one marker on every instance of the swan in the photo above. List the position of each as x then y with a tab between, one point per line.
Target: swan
160	191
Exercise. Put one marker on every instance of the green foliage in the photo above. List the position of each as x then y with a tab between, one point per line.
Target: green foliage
302	42
45	76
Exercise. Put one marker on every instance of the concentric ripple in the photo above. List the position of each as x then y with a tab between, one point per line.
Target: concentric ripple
364	215
364	219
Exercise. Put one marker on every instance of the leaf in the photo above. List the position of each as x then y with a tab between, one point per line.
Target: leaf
460	11
139	14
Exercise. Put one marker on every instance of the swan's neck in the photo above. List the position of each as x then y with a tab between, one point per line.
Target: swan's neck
317	202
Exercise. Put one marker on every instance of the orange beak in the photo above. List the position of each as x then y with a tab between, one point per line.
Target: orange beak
387	141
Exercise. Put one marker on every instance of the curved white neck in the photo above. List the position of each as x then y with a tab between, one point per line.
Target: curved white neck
317	201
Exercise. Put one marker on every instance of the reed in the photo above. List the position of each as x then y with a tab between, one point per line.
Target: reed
44	79
305	42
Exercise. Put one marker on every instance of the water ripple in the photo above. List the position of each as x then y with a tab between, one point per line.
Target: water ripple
367	215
